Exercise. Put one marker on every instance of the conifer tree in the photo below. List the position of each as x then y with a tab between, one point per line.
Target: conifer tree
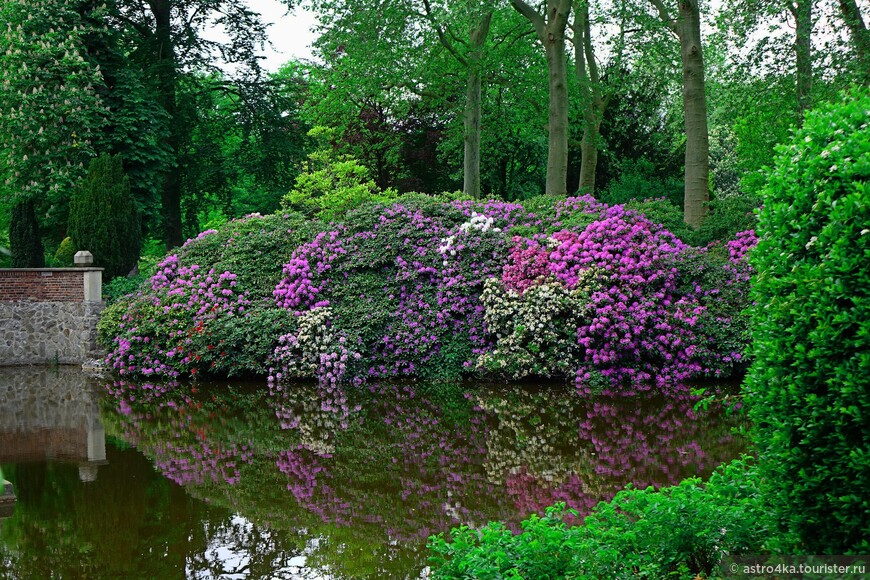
103	218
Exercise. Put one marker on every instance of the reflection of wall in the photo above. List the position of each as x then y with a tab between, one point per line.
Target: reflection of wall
51	413
7	499
48	315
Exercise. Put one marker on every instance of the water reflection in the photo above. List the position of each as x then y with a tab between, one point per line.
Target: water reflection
52	413
323	482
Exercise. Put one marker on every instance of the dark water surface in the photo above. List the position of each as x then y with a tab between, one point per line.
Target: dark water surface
116	480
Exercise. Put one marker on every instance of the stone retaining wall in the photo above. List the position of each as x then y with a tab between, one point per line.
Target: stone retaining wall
49	315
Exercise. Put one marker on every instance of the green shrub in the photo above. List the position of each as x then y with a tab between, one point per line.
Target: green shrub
681	531
120	286
333	184
103	218
810	385
108	326
253	248
728	215
661	211
641	180
65	254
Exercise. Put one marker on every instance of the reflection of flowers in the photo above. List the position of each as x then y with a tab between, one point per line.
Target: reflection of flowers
547	449
198	463
317	412
396	465
181	446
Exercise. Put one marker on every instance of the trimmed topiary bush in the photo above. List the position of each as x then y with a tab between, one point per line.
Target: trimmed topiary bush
65	254
103	218
810	384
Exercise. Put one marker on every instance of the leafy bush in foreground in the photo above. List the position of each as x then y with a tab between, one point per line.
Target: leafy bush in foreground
681	531
810	384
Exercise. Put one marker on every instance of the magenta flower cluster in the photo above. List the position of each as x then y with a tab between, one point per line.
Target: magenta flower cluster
166	330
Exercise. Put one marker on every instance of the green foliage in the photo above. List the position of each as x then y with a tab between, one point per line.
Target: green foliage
724	320
333	184
254	248
110	321
120	286
640	179
728	215
681	531
809	389
65	254
103	217
244	148
662	211
27	251
49	110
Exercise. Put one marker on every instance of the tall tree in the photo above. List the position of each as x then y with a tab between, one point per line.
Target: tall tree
470	55
168	41
594	99
50	113
860	36
802	11
550	30
685	24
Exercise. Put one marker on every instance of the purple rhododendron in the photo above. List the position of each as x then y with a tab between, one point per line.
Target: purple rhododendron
399	294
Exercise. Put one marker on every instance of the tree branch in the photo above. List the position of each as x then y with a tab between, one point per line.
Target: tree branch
532	16
664	15
441	36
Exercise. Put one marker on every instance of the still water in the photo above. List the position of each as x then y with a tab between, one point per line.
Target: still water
121	480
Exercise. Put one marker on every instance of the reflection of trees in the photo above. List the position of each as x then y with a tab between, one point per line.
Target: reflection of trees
354	481
65	528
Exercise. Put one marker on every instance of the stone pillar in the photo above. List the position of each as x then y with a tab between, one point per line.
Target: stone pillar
93	278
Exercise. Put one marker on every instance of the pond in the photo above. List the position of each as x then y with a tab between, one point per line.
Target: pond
115	479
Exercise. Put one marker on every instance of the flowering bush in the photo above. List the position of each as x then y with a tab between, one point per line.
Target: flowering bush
536	331
430	288
402	284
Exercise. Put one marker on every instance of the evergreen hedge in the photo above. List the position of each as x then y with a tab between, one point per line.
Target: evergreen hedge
103	217
810	385
27	251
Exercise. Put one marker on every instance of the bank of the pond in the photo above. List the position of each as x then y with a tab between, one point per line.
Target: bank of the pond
572	288
337	482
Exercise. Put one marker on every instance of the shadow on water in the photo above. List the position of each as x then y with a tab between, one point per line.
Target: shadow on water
309	481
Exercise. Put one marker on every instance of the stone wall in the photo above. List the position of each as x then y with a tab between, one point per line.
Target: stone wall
49	315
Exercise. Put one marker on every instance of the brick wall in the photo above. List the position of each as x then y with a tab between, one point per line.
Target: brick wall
43	285
49	315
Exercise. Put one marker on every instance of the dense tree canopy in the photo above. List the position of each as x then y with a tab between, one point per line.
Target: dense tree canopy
495	98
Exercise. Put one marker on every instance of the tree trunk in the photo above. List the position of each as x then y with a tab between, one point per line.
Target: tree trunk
24	237
166	69
860	37
551	33
594	103
803	14
557	151
472	117
697	170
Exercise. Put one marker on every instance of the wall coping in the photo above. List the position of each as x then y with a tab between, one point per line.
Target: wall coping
88	269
